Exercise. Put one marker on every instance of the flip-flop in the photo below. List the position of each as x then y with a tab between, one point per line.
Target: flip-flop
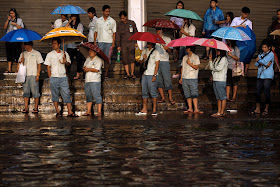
255	113
58	115
265	113
188	112
198	112
8	71
216	115
25	111
172	102
98	115
233	100
161	101
86	114
140	113
35	111
133	76
72	115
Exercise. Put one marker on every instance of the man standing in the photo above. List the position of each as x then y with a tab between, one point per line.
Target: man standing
105	34
125	29
56	61
32	59
243	20
93	19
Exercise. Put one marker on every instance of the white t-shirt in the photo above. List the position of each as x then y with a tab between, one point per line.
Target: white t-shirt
190	30
91	27
13	27
31	61
53	60
187	71
58	23
155	56
105	29
164	56
95	63
237	21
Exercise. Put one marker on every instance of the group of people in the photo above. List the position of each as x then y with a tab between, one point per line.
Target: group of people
106	33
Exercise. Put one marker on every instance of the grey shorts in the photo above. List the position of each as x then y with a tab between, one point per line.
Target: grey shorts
31	86
190	87
149	87
220	90
93	91
164	76
60	85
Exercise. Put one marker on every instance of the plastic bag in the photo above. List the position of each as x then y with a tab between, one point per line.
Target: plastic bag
138	53
238	69
21	74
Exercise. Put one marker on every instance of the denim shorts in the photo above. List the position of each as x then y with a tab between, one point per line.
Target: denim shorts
105	47
60	85
190	87
220	90
32	86
148	86
164	76
93	91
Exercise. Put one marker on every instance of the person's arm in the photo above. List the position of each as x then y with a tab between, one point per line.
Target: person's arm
155	72
232	56
118	38
38	72
49	71
66	59
192	65
266	60
7	22
221	22
114	34
15	24
221	65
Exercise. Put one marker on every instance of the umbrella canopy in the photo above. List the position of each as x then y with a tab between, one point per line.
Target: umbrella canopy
231	33
84	48
186	41
161	23
247	48
21	35
148	37
182	13
68	35
68	9
212	43
276	32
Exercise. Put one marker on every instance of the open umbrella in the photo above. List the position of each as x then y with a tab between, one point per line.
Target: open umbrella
231	33
68	35
148	37
68	9
21	35
276	32
212	43
182	13
161	23
186	41
247	48
84	48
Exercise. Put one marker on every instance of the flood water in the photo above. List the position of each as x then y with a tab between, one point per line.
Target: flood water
123	150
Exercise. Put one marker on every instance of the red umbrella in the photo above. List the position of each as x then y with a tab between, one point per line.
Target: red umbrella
148	37
212	43
84	48
161	23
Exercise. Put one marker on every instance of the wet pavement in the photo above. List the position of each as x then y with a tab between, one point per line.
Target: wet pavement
121	149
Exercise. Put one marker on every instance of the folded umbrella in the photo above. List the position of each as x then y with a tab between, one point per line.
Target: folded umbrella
231	33
148	37
84	48
182	13
212	43
161	23
68	9
21	35
186	41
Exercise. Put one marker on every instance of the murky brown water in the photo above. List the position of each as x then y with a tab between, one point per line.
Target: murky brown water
162	151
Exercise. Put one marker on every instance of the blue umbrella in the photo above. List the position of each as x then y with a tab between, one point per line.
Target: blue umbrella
231	33
68	9
247	48
21	35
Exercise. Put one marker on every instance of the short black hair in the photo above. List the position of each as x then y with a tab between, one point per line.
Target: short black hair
92	10
105	7
232	43
267	42
123	13
57	39
246	10
192	48
216	1
180	2
28	43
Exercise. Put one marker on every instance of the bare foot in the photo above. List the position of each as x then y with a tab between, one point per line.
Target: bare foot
86	114
98	114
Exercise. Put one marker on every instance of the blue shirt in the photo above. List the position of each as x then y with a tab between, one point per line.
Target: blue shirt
210	19
263	72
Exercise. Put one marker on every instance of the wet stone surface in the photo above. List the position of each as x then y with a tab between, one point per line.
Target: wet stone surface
122	149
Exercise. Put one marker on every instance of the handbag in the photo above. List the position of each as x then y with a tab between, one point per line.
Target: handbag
21	74
144	65
238	69
137	54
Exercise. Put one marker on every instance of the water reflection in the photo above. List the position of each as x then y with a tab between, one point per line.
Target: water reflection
153	152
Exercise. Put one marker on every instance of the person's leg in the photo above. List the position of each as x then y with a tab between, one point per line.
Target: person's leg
166	75
95	88
228	92
223	106
187	92
154	101
88	99
124	53
219	107
80	63
131	60
56	107
235	81
246	69
153	91
189	101
160	83
107	52
215	88
267	86
65	93
194	94
35	91
145	102
26	93
9	56
259	86
229	83
222	96
132	67
72	54
145	93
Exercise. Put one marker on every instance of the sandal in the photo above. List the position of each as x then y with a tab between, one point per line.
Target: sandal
25	111
125	77
172	102
198	112
216	115
222	115
86	114
133	77
188	112
72	115
98	115
265	113
76	77
8	71
58	115
233	100
35	111
161	101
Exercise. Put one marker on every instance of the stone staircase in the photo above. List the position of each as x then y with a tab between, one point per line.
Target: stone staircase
121	95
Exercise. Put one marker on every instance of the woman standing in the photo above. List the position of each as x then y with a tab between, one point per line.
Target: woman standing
72	50
227	22
264	62
232	57
219	73
12	48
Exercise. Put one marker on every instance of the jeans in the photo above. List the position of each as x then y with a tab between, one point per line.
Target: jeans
93	91
105	47
220	90
266	84
164	76
190	87
60	85
148	87
31	85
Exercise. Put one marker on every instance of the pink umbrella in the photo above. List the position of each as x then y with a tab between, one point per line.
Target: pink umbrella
186	41
212	43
